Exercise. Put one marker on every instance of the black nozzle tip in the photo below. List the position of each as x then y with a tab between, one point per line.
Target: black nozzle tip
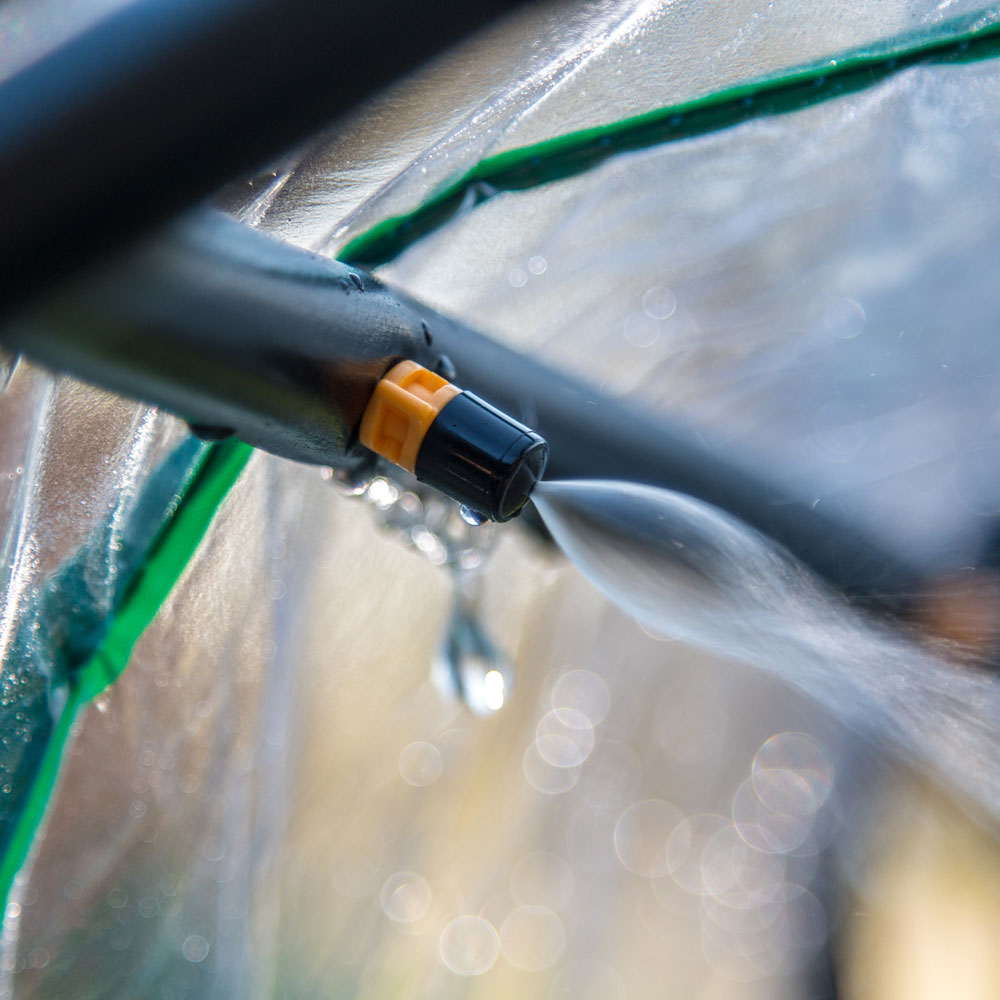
525	471
482	457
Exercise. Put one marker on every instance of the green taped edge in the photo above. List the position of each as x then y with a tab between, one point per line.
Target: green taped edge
201	497
968	39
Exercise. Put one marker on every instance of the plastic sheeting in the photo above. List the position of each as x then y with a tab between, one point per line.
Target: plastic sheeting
273	800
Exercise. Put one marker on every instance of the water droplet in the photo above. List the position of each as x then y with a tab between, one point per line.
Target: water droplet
545	777
446	368
792	775
763	828
641	330
405	897
845	319
494	689
354	486
214	849
420	764
195	948
38	958
469	945
468	666
738	875
659	302
470	559
564	737
641	836
686	846
382	492
471	516
583	691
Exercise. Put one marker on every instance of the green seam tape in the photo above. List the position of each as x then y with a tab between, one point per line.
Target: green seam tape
37	801
968	39
170	553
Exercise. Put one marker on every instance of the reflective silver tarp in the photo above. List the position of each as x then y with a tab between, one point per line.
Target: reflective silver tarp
274	800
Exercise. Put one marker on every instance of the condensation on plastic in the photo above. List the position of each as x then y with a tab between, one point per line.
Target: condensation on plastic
273	800
158	857
87	480
78	516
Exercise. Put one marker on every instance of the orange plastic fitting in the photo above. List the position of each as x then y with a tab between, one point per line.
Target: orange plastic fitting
403	406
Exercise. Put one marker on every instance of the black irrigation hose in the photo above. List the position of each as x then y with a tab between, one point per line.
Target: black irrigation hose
238	333
159	104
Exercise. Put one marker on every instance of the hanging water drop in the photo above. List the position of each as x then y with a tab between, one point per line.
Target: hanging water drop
352	481
468	665
471	516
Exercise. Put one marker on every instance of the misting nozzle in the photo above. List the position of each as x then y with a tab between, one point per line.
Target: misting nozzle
454	441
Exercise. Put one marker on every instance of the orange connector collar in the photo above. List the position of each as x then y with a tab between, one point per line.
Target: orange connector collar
403	406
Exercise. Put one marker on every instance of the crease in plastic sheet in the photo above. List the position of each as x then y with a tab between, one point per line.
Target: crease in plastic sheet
71	643
84	573
470	99
55	613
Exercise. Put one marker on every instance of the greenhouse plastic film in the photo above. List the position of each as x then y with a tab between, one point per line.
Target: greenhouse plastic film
272	799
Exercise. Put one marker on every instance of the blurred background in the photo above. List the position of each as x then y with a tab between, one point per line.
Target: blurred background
284	797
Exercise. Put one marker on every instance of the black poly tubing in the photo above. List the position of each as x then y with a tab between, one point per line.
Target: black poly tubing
162	102
231	329
234	332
